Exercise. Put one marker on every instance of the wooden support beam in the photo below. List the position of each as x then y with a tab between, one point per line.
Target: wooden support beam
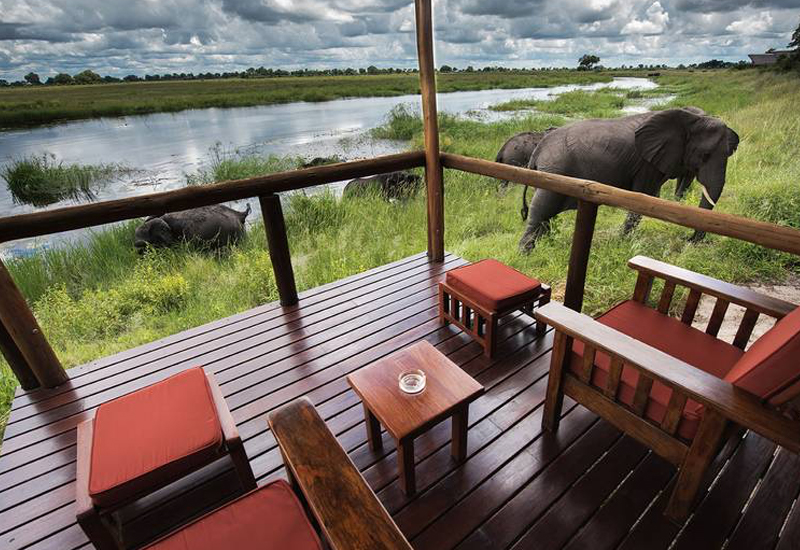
579	255
25	333
434	176
16	361
278	243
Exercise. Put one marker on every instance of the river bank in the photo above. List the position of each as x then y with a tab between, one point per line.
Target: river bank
37	105
98	299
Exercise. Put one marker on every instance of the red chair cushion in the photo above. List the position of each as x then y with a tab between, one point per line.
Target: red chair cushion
771	367
153	436
669	335
269	517
493	285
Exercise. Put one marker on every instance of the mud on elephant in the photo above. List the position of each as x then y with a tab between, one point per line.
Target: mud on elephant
209	227
637	153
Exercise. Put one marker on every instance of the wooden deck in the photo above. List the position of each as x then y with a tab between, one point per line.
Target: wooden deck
586	487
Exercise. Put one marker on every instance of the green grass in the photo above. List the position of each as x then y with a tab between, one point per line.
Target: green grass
31	106
603	103
102	298
42	180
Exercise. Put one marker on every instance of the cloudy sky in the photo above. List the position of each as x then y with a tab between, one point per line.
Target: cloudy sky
120	37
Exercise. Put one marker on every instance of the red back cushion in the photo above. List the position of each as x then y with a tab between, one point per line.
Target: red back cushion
770	369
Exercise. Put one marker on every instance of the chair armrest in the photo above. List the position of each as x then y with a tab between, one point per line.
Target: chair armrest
750	299
734	403
229	430
347	510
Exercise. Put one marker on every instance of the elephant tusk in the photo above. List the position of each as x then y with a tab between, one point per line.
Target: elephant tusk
707	196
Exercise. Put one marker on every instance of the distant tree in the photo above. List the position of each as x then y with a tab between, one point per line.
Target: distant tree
446	69
587	62
372	69
33	79
131	78
62	79
795	43
87	77
4	83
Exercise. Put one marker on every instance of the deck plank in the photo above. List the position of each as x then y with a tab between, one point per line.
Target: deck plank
586	486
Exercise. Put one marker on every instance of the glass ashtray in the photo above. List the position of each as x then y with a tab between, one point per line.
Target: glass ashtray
412	381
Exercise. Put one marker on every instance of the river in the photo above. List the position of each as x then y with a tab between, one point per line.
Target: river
163	148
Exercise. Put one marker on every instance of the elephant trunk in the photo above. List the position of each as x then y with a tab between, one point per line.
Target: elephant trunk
684	182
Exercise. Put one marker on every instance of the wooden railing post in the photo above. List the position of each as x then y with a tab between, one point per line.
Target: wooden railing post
16	361
579	254
26	337
278	243
434	177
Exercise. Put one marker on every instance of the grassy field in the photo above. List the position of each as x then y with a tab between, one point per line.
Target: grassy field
95	300
31	106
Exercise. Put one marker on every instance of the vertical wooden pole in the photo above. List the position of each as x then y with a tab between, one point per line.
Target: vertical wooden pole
27	337
278	245
433	165
579	254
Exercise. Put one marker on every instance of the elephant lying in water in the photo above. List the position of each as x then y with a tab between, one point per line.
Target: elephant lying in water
392	185
637	153
208	227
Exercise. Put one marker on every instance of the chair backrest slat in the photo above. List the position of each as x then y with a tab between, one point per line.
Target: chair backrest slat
589	353
644	283
717	316
745	328
666	297
690	308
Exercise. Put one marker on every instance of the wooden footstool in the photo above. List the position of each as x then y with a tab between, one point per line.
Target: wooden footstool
448	392
144	441
476	296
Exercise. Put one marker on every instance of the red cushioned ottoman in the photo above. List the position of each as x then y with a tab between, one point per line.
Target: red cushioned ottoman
140	443
474	297
269	517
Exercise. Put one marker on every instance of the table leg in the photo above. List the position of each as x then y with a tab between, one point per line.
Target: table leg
405	462
460	422
373	430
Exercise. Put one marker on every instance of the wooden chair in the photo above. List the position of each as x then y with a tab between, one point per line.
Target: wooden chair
476	296
329	493
140	443
677	389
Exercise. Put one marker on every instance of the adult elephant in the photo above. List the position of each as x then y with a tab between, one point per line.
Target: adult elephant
208	227
637	153
518	149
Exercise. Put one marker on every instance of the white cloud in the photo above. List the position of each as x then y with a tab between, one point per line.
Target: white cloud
655	23
752	26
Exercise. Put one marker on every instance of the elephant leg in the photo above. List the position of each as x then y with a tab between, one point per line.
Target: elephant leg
698	235
545	205
631	222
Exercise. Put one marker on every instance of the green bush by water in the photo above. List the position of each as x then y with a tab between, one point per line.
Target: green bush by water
603	103
42	180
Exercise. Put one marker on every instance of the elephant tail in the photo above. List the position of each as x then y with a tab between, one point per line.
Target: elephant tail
524	210
243	215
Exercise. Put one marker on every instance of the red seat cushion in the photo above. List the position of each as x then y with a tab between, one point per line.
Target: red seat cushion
669	335
771	367
493	285
153	436
270	517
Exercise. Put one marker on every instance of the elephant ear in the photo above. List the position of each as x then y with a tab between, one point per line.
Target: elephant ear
733	141
161	233
661	140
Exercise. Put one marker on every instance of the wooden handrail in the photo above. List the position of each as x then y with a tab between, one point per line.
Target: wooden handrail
769	235
99	213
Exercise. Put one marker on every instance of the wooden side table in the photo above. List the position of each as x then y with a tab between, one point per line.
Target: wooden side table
448	392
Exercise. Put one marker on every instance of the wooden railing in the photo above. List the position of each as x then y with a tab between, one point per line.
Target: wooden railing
21	339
